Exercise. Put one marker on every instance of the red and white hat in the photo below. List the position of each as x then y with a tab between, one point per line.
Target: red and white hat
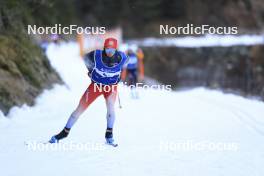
110	43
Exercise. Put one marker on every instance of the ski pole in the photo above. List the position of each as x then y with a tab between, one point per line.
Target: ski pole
119	101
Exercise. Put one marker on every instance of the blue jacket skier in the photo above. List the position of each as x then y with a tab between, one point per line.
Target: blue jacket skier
104	69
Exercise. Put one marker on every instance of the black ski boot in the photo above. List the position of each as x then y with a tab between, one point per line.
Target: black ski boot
63	134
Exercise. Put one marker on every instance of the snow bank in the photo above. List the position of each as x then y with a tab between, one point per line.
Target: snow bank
203	41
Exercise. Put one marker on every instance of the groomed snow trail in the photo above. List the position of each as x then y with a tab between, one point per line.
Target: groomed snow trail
143	129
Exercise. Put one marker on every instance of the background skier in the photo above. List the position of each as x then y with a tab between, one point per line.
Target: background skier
134	72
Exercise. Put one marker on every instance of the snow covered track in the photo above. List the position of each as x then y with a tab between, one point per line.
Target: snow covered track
148	131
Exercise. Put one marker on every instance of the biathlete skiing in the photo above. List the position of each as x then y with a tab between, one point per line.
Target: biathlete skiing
134	71
104	69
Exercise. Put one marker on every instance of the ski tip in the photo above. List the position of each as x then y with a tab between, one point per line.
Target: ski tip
111	144
115	145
